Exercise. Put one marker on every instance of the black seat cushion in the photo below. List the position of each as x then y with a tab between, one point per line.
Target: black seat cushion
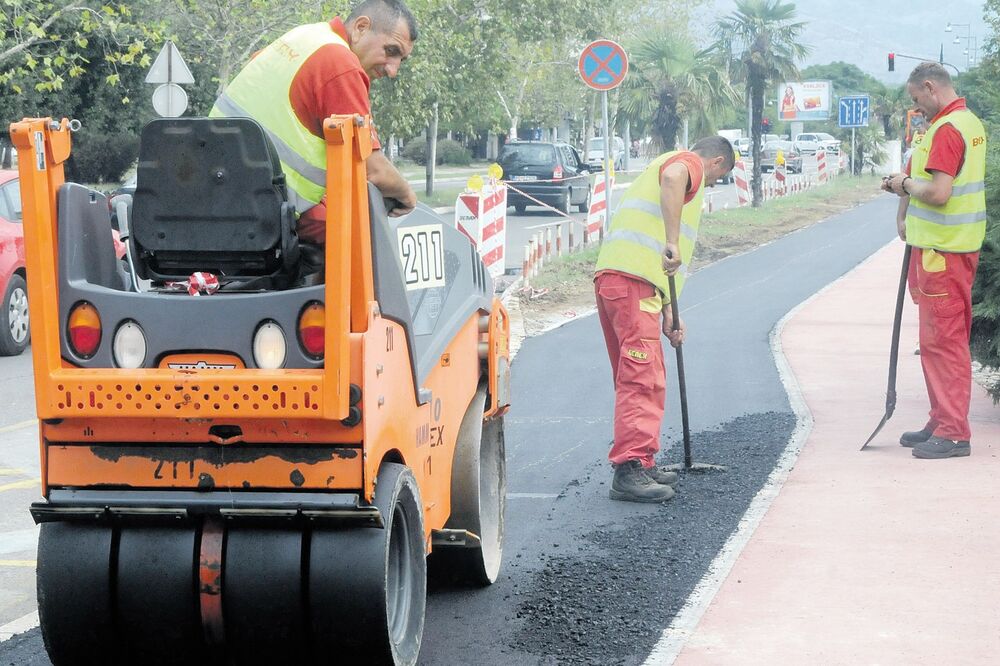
210	196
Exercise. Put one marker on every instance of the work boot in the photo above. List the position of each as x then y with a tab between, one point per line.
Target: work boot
661	475
633	484
939	447
912	437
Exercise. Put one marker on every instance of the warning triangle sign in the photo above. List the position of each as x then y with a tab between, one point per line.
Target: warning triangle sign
169	67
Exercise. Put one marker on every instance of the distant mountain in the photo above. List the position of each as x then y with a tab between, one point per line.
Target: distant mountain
863	32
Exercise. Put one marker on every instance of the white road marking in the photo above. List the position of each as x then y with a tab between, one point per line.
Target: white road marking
12	471
19	426
675	636
19	541
19	626
532	495
18	563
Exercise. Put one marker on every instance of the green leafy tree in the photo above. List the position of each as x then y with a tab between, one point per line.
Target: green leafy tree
671	81
43	43
761	43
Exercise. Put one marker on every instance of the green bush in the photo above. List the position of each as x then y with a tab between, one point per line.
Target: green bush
448	152
986	290
452	152
100	157
415	151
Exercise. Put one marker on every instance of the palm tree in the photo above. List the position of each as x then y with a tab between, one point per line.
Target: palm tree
671	80
760	40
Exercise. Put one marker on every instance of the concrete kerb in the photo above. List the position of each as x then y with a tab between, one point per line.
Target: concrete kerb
676	635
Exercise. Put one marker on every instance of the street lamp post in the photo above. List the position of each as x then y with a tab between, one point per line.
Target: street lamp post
971	43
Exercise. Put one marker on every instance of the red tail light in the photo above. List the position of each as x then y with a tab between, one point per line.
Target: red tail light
84	329
312	329
557	173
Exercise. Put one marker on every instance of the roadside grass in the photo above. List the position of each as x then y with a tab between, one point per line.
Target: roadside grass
722	233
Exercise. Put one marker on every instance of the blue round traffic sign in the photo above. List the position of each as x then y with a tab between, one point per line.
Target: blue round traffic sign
603	64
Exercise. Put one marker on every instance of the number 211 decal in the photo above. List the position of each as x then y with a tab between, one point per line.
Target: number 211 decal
421	250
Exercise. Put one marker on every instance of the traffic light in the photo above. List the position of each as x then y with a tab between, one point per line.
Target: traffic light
765	124
892	62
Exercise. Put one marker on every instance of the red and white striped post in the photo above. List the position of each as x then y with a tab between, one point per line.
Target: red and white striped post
821	174
742	183
559	240
598	205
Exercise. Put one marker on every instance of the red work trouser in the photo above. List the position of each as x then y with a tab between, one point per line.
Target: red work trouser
633	339
941	284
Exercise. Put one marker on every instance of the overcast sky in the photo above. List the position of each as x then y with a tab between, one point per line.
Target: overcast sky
863	32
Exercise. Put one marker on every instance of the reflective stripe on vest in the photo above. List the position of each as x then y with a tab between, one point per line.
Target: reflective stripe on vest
262	91
636	238
960	224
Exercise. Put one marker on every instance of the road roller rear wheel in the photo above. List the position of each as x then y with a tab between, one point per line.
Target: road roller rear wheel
74	581
478	500
368	587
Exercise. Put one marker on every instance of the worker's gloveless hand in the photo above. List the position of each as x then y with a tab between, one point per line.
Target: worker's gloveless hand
404	206
676	337
671	258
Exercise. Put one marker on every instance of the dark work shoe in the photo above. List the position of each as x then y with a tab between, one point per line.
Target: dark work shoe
662	476
939	447
915	437
633	484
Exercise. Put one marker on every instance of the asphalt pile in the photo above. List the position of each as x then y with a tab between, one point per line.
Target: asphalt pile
608	602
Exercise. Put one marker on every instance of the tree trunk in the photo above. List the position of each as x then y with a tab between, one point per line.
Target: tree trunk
432	132
756	91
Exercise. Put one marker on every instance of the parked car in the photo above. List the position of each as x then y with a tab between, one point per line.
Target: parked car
550	172
743	145
769	153
825	141
595	153
806	147
14	332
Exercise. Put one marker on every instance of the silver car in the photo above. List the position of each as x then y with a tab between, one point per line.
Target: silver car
769	154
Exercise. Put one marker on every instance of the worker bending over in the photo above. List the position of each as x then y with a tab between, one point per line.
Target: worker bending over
652	236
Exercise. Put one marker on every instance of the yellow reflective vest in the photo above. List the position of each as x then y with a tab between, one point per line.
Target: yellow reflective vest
262	92
634	243
960	224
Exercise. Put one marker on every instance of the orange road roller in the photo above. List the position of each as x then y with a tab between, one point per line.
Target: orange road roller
250	446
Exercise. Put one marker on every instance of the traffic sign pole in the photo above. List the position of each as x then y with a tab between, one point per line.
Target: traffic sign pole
854	152
607	167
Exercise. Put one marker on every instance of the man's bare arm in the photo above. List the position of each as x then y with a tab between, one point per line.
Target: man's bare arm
390	182
673	186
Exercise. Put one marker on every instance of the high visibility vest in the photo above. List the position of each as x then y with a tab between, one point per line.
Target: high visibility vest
634	243
262	92
960	224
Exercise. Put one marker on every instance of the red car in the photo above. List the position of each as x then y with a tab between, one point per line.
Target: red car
14	333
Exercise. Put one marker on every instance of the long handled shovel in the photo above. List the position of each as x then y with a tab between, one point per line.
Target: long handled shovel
682	386
890	394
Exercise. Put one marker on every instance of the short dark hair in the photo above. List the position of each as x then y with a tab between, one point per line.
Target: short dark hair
385	14
929	71
716	146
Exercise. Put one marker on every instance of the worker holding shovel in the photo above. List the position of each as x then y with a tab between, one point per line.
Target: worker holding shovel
649	244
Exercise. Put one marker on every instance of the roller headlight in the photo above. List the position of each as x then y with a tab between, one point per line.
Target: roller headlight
269	346
129	345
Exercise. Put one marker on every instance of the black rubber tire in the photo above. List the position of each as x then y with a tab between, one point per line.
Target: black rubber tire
157	609
368	586
74	585
14	298
262	596
520	208
478	500
562	204
585	206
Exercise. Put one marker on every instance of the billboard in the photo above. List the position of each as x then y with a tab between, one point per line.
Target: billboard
809	100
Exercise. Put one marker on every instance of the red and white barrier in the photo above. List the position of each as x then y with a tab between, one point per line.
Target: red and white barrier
742	183
482	216
780	179
821	167
598	205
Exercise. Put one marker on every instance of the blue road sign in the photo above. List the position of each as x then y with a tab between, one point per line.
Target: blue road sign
854	111
603	64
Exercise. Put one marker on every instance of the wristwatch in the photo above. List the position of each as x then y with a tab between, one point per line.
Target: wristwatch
902	185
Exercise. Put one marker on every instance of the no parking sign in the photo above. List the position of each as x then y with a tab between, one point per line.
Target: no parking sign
603	64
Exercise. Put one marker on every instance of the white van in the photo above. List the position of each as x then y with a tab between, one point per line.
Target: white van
595	153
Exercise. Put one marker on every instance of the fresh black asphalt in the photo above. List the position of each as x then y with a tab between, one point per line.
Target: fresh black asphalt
591	581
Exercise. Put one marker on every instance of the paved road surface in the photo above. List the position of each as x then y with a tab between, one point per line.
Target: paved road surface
587	580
